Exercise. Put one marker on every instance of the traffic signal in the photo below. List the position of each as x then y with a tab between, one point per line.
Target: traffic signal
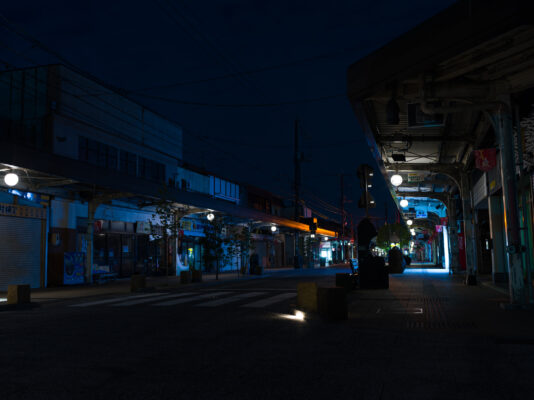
313	226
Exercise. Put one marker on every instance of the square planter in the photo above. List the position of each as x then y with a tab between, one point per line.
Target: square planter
185	277
196	275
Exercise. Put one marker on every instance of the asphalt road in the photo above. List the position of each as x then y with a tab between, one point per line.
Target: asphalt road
427	337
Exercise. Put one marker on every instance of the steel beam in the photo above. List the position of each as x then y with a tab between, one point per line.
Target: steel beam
502	122
452	170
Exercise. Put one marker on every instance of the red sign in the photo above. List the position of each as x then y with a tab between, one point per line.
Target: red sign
439	228
485	159
443	221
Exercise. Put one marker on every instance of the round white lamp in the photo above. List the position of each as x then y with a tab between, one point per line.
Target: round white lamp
404	203
210	217
273	228
409	222
11	179
396	180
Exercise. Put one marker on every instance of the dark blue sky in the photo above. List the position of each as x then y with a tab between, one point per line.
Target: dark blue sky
172	45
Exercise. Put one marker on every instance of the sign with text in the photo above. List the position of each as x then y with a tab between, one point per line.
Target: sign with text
486	159
421	214
16	210
415	177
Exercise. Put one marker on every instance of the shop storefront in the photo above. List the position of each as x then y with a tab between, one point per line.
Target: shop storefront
23	245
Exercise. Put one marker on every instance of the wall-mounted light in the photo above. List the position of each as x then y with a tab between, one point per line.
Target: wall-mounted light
11	179
404	203
409	222
210	217
273	228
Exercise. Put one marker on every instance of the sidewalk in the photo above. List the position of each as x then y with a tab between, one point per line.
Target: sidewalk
122	285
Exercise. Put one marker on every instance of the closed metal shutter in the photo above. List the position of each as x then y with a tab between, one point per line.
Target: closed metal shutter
20	251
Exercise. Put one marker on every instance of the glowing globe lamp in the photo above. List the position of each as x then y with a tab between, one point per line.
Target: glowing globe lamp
210	217
11	179
396	180
409	222
404	203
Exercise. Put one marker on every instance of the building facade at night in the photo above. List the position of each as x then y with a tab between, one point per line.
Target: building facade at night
447	112
92	166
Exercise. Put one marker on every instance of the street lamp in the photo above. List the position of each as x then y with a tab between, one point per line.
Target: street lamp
11	179
409	222
396	180
404	203
210	217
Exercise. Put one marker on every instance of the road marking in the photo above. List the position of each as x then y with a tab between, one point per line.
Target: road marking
231	299
190	299
270	300
400	310
141	301
115	299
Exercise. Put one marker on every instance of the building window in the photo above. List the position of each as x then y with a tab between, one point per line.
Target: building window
128	163
151	170
97	153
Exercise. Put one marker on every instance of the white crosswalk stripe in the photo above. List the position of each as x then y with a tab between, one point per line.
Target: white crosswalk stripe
226	300
203	299
150	299
115	299
270	300
190	299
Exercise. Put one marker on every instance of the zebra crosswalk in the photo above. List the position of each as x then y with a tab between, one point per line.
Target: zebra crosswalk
205	299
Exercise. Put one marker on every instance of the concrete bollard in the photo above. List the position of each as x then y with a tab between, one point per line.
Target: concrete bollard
307	296
18	294
137	282
185	276
345	281
332	303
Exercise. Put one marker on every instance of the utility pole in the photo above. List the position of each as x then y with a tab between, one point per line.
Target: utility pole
342	218
296	161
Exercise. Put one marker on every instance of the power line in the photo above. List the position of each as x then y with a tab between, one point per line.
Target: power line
242	105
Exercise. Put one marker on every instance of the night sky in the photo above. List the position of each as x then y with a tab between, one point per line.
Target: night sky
251	66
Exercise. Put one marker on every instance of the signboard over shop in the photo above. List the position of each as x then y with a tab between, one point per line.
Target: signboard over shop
415	177
16	210
421	214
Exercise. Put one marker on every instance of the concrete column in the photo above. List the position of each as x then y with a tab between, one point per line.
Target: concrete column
453	236
498	239
91	208
502	122
469	231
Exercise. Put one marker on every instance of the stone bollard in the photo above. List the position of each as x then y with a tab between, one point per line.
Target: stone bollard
307	296
137	282
18	294
332	303
345	280
185	277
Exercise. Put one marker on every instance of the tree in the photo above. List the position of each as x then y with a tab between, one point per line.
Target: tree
169	220
385	233
213	242
244	245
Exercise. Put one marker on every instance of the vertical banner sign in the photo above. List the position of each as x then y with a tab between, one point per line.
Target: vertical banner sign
486	159
461	251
